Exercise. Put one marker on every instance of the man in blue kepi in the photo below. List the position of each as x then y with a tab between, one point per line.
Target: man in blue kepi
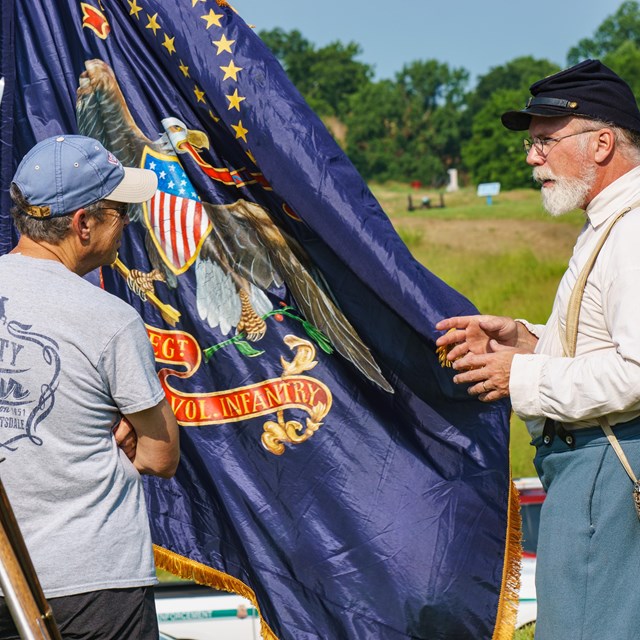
576	380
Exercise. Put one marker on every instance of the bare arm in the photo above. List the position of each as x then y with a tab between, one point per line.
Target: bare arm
126	438
157	451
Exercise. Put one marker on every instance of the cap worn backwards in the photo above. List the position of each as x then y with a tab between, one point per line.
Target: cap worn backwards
65	173
589	89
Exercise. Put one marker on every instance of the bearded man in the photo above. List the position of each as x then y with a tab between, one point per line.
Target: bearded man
576	380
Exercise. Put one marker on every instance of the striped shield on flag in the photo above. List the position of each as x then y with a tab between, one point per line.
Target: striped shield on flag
174	215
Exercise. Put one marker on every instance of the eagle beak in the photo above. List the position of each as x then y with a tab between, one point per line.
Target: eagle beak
198	139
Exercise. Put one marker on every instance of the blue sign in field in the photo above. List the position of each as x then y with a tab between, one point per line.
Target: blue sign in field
488	189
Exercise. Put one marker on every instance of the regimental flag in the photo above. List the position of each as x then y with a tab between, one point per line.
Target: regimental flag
331	471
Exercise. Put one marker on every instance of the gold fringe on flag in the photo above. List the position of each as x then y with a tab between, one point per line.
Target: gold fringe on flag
442	352
509	593
202	574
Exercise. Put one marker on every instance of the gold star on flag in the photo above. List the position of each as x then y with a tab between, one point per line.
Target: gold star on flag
185	70
213	18
195	2
135	9
241	132
168	44
199	94
251	157
223	44
231	71
213	116
234	101
153	23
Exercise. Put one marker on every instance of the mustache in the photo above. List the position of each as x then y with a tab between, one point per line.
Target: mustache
540	174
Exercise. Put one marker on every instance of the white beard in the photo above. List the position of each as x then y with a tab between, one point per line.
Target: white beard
566	194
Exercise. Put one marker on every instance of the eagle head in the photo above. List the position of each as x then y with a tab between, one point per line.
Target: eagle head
177	134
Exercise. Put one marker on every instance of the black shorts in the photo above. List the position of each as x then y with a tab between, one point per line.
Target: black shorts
112	614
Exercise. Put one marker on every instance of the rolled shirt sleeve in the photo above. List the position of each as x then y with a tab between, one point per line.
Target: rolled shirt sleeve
535	329
604	377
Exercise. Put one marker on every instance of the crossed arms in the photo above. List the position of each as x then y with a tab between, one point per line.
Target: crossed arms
150	440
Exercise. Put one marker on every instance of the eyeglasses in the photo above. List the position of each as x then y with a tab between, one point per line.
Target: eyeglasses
121	209
539	144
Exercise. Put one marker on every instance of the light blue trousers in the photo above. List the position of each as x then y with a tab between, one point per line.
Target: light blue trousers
588	561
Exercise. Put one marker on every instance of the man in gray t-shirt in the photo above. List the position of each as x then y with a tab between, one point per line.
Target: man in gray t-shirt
73	361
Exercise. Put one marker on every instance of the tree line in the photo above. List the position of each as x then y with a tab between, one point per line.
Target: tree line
427	119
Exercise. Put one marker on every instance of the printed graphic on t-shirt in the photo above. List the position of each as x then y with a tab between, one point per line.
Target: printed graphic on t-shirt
29	371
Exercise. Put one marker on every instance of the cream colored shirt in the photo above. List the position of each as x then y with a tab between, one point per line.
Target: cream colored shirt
604	377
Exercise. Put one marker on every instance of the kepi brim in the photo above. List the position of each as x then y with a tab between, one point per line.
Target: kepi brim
520	120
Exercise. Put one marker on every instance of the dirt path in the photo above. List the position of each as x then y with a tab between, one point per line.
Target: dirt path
544	238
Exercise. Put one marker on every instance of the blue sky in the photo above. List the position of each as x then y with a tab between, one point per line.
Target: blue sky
474	34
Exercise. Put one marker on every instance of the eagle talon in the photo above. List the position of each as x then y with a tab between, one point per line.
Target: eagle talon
250	322
141	283
255	335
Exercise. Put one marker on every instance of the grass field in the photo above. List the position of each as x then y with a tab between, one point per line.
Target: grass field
525	634
507	257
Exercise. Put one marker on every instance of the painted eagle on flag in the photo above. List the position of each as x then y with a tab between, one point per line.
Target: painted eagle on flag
238	250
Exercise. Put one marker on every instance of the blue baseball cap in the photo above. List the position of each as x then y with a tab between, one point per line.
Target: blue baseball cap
65	173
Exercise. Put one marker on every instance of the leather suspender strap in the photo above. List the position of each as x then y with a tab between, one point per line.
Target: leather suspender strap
570	338
615	443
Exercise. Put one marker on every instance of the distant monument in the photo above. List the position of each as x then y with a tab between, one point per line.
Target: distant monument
453	180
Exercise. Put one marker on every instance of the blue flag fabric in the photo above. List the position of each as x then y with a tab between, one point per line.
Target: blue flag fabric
331	471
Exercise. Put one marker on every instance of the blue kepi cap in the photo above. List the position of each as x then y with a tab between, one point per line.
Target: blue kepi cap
64	173
588	90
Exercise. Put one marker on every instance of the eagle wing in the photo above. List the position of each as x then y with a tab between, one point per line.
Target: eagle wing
103	114
268	257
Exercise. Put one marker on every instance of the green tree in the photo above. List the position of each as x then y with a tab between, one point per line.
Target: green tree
293	51
625	61
327	76
433	84
518	74
495	154
374	139
434	120
409	129
335	75
623	25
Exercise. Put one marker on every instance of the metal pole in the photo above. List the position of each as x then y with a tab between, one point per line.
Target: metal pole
18	597
31	612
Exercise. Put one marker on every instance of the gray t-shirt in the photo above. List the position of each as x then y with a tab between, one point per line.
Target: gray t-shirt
72	359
